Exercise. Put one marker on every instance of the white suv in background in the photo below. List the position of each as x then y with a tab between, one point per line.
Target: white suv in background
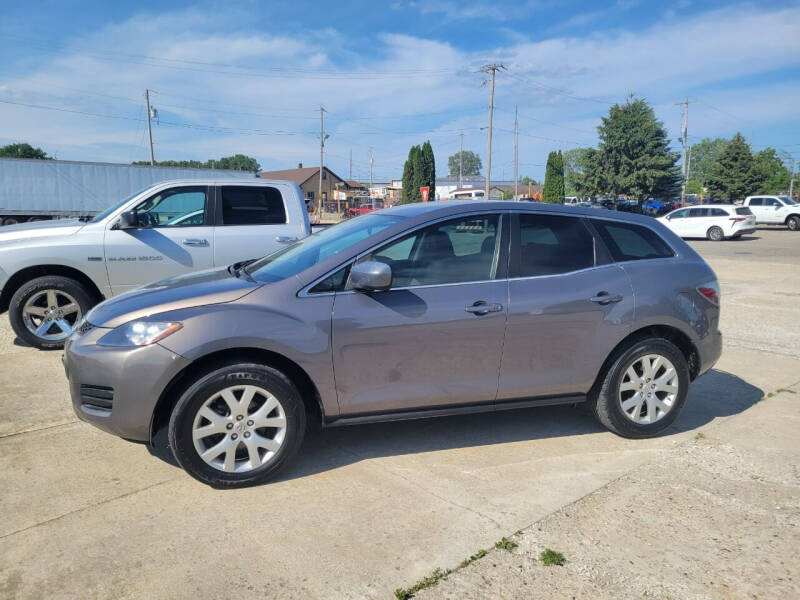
712	221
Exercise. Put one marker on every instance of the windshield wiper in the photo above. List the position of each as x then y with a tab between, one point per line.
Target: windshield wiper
85	218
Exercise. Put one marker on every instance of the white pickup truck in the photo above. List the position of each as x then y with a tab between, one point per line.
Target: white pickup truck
775	210
53	272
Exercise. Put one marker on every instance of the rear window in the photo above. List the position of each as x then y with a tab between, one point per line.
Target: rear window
251	205
744	211
552	244
631	242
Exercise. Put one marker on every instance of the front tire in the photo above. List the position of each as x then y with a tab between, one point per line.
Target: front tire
237	426
644	390
44	311
793	223
715	234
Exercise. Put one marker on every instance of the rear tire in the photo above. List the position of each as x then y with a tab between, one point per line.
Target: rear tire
715	234
793	223
44	311
615	402
222	413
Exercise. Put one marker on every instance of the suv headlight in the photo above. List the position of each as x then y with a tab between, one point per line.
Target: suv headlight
139	333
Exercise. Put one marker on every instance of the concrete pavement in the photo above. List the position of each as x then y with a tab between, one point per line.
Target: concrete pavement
364	510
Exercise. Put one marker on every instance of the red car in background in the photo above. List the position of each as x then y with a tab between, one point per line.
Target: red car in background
361	209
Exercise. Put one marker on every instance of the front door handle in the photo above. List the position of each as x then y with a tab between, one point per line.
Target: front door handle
605	298
285	239
481	307
194	242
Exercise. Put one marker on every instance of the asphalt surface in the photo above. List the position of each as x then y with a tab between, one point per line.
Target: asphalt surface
368	509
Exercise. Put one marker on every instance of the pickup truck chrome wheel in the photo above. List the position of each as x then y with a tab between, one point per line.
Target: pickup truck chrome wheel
649	389
239	428
51	314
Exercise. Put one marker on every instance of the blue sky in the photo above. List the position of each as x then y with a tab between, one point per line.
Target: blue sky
250	76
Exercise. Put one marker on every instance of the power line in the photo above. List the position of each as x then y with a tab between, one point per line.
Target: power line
559	91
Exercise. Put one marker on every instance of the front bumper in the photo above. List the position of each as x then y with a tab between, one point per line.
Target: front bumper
116	389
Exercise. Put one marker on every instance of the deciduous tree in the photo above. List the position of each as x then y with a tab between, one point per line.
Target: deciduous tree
22	150
471	164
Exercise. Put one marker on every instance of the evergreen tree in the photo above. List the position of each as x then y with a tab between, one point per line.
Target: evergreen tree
413	176
634	155
428	169
554	179
734	175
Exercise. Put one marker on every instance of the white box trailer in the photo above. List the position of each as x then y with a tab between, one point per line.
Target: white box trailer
33	190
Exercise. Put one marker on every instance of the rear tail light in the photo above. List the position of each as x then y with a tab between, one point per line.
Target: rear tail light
710	291
737	219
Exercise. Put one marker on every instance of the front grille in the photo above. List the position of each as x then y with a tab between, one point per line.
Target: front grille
97	396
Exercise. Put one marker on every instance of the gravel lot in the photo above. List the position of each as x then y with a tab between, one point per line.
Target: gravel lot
711	509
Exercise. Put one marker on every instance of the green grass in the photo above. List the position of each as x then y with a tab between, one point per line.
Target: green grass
479	554
700	436
505	544
551	557
425	582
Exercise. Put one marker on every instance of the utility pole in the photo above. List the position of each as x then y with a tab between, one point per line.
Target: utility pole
461	162
370	169
684	141
322	137
351	164
493	70
791	180
516	155
149	128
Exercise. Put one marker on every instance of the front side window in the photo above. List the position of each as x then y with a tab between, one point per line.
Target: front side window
456	251
553	244
772	202
679	214
626	241
174	207
252	205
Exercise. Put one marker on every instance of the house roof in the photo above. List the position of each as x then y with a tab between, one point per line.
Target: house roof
299	176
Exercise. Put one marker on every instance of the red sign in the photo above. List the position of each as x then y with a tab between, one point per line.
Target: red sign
424	191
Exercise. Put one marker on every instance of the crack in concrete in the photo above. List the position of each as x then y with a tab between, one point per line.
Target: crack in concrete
35	429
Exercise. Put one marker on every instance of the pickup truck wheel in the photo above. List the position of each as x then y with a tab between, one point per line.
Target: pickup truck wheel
644	390
793	223
44	311
237	426
715	234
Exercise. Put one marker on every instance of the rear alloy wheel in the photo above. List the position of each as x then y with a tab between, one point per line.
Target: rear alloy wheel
793	223
644	390
237	426
45	311
715	234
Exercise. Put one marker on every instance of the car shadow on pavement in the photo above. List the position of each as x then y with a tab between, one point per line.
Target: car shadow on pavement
716	394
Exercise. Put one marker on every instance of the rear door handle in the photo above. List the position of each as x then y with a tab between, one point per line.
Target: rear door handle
195	242
285	239
481	307
605	298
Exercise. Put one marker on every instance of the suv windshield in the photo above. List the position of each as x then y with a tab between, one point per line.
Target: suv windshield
322	245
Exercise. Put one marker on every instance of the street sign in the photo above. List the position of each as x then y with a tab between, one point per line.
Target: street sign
424	191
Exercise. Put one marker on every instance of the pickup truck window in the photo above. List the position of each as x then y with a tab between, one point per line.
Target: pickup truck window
174	207
772	202
756	202
251	205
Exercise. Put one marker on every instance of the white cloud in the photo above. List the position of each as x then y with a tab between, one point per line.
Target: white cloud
288	77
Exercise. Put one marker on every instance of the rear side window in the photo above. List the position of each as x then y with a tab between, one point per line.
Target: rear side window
626	241
720	212
552	244
252	205
698	212
756	202
744	211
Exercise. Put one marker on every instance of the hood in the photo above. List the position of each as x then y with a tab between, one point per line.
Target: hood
36	229
185	291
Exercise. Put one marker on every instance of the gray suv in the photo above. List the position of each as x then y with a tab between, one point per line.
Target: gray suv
421	310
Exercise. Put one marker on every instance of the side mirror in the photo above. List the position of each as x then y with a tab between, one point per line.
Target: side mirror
370	276
128	220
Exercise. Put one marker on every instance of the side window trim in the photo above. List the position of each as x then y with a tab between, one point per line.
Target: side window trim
208	205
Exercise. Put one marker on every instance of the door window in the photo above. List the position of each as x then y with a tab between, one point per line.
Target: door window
252	205
719	212
175	207
552	244
679	214
456	251
698	212
772	202
631	242
756	202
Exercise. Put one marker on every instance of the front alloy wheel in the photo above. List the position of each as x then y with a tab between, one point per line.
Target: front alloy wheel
51	315
237	425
